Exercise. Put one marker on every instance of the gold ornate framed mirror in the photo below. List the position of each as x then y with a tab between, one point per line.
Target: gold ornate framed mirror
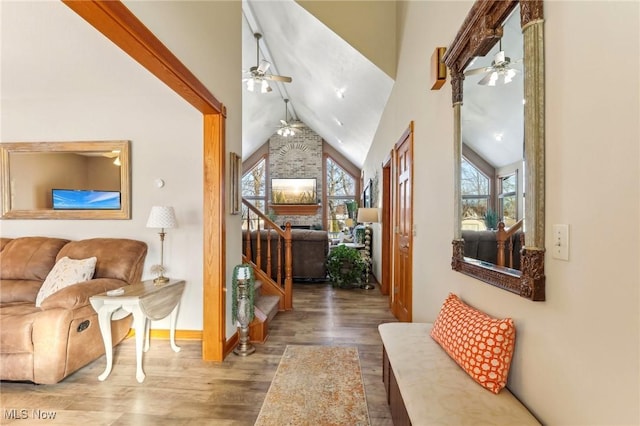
66	180
481	30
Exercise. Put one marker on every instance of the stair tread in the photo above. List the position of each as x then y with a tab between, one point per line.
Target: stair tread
268	305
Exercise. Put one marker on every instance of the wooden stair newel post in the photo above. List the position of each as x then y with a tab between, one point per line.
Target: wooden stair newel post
288	270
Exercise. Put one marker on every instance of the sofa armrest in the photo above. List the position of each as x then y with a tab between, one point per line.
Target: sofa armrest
78	295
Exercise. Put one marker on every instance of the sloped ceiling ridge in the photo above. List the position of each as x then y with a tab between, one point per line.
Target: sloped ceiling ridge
321	64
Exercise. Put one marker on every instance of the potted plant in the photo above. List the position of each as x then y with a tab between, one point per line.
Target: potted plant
352	207
491	219
345	266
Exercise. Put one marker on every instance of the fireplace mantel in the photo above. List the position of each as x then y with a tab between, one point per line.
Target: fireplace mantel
295	209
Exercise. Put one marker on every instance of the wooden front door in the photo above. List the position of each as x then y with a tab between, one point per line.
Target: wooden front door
403	226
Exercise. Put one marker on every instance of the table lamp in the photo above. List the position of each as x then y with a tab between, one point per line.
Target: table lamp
162	217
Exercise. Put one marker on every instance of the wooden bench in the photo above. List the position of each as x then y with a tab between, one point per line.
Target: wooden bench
425	386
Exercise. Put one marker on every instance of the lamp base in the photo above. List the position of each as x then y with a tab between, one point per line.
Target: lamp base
161	280
244	349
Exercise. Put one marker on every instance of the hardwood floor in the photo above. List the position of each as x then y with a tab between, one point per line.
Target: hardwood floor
181	389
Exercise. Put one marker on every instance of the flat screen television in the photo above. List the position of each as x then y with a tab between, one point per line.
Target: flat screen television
85	199
293	191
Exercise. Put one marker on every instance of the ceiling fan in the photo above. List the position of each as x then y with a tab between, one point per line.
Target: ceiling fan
500	70
258	73
287	129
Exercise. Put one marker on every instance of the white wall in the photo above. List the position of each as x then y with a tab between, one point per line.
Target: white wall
127	102
207	37
577	358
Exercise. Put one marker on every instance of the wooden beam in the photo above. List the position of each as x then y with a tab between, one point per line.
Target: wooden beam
123	28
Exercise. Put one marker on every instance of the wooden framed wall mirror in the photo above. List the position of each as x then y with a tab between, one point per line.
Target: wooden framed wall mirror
66	180
498	54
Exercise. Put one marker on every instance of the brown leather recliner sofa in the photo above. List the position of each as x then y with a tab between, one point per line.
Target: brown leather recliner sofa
309	249
46	344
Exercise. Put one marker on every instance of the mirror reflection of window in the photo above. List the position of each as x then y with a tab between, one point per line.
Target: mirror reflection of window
508	199
475	196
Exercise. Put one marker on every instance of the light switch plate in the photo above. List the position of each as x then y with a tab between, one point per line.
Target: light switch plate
560	248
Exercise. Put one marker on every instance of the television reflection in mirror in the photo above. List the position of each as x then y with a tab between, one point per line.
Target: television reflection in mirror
81	199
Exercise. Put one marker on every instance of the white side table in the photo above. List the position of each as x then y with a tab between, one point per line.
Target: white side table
146	301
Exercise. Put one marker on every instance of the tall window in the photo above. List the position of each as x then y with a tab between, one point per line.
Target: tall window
254	187
340	195
508	199
475	188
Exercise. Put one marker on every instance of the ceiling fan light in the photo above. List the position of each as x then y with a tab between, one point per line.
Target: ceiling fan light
509	76
251	84
264	88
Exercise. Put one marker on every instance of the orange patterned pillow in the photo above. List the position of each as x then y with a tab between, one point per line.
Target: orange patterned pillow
481	345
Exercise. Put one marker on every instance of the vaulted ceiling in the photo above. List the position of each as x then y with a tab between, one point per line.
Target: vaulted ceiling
336	91
318	54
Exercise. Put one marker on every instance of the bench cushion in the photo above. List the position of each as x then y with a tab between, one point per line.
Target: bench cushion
481	345
435	390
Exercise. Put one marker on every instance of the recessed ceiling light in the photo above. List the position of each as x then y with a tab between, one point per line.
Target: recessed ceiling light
340	93
340	123
339	141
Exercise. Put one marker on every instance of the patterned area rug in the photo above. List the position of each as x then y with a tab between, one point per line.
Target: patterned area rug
316	385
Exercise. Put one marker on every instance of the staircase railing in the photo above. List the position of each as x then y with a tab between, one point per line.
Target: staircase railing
271	264
504	237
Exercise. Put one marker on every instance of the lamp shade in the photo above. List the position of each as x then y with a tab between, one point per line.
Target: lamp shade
367	214
162	217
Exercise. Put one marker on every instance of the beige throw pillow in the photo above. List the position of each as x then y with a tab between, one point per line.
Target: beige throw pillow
65	273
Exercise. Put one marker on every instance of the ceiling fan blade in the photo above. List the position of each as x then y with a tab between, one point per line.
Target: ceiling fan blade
282	78
478	71
488	80
263	67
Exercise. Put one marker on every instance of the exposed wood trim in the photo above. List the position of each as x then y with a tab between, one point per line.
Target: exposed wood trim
119	25
342	161
214	261
260	154
123	28
231	344
387	228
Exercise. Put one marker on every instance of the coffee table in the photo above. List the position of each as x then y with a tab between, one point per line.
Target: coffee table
146	301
